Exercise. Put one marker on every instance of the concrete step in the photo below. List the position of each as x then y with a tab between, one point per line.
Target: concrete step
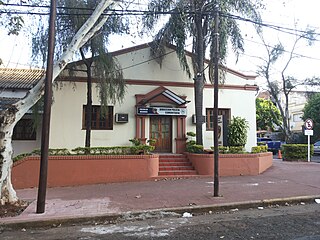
169	164
173	158
177	160
173	165
178	172
175	168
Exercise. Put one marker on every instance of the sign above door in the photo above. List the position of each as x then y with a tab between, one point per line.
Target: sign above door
162	111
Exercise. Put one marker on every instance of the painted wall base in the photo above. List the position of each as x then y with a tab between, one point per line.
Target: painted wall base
83	170
232	164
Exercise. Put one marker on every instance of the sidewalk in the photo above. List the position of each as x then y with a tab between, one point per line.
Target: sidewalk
285	181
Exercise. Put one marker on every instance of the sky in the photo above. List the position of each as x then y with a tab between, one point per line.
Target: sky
293	14
15	50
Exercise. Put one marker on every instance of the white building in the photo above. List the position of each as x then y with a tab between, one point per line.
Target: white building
159	103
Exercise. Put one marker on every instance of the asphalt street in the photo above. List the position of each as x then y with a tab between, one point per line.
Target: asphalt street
294	222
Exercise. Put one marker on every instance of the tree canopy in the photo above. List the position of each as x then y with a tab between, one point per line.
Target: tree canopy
12	22
312	110
267	114
71	16
99	64
195	19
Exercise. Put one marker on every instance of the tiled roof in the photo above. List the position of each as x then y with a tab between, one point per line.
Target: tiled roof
11	78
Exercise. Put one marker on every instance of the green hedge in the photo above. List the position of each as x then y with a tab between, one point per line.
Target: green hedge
296	152
102	150
230	149
37	152
194	148
126	150
53	151
259	149
123	150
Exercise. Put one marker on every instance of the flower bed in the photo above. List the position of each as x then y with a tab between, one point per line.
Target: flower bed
232	164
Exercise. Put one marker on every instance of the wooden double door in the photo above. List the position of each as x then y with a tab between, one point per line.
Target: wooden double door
161	130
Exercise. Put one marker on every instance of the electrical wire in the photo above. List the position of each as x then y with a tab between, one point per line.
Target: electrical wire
127	12
286	30
296	54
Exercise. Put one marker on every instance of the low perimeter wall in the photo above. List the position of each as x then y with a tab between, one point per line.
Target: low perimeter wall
232	164
82	170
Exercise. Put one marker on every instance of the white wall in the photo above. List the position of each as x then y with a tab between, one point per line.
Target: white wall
66	122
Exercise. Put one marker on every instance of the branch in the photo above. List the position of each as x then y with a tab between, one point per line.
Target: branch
36	92
93	31
290	57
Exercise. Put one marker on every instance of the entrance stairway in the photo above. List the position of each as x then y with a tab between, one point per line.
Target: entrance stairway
175	165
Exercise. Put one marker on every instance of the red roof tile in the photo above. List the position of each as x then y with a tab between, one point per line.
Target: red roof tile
11	78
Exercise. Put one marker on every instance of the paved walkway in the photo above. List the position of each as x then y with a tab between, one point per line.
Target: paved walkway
283	180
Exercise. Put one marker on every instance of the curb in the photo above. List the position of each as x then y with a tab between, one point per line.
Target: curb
153	213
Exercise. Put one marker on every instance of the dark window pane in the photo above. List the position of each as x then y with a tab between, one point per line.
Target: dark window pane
100	120
209	117
24	130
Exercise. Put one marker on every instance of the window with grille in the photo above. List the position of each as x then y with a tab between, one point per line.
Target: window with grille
100	120
24	130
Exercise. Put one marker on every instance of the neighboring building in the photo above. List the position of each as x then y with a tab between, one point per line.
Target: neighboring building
159	103
297	100
14	84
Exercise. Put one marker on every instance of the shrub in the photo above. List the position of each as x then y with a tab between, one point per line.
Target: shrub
195	148
222	149
152	141
230	150
191	145
259	149
191	134
21	156
135	141
234	149
142	149
296	152
123	150
237	132
53	151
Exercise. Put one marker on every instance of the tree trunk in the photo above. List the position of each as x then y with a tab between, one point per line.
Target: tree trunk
287	119
88	109
8	193
9	117
199	80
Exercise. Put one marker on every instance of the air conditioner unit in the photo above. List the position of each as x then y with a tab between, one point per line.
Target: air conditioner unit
194	120
122	117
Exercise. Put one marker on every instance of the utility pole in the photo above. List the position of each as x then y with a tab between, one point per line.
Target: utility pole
215	105
41	200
